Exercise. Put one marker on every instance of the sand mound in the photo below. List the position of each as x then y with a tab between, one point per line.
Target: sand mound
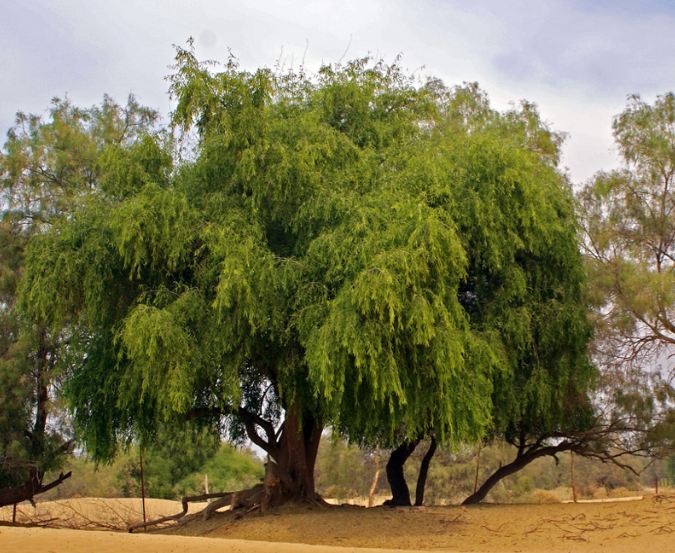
640	525
621	527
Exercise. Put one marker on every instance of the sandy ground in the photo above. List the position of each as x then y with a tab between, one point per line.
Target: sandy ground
622	527
40	540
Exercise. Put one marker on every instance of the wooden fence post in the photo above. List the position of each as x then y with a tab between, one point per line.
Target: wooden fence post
475	479
574	489
143	490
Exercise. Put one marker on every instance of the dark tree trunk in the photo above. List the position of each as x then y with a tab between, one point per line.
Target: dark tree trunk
33	484
26	492
289	473
400	494
424	471
523	458
495	477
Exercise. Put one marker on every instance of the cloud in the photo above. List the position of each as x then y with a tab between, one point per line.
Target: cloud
594	49
576	59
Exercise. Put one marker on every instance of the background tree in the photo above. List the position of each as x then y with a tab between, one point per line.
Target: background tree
629	229
628	218
46	168
27	447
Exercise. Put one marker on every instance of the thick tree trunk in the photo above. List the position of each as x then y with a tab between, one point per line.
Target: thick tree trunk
395	476
292	450
424	471
290	470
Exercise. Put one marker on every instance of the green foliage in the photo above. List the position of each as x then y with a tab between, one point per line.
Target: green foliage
47	165
27	448
174	455
228	469
392	259
344	471
171	471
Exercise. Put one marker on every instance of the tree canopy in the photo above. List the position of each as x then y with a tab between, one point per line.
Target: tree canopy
629	223
350	248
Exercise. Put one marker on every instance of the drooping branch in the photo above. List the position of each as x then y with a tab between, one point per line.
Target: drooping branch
600	442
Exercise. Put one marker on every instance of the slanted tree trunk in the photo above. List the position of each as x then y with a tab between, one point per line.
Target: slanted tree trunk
495	477
523	458
395	476
424	470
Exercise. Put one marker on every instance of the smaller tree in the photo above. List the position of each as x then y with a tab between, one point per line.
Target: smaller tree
628	223
48	166
28	448
522	289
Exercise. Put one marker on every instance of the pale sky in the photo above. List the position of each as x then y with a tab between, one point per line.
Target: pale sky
577	60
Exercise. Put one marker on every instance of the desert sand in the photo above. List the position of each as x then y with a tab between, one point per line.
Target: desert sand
622	526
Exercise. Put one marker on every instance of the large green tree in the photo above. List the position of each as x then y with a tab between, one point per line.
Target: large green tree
337	249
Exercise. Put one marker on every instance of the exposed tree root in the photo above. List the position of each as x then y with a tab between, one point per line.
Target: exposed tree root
245	499
241	502
185	503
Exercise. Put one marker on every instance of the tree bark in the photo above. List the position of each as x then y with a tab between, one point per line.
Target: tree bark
292	451
572	482
395	476
424	470
290	469
373	486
